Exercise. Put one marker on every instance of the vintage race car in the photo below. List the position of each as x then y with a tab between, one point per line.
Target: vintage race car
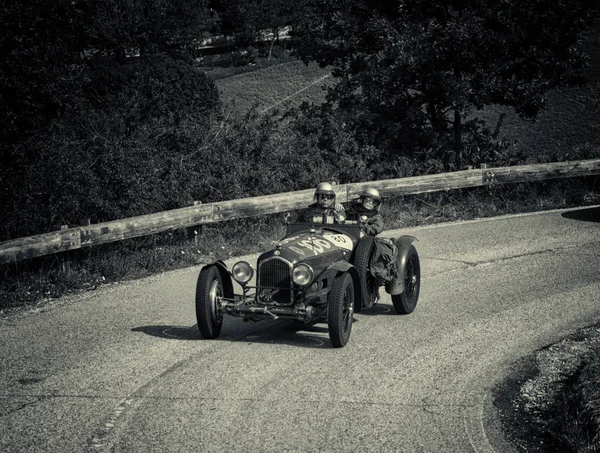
319	272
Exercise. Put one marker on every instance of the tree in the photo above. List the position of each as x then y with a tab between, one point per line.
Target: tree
412	70
245	19
148	26
49	47
40	44
97	95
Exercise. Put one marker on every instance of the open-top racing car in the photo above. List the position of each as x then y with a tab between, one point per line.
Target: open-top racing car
319	272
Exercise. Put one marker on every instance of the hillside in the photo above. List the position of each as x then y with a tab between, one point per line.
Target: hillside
285	85
571	120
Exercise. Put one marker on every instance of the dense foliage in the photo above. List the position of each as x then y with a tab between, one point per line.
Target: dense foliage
100	103
105	116
246	19
412	71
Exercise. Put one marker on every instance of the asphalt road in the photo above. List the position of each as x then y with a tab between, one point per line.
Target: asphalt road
125	369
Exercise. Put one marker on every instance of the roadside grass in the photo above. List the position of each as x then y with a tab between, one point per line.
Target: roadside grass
573	419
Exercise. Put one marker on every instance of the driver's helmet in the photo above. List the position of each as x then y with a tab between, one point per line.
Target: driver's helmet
327	198
370	194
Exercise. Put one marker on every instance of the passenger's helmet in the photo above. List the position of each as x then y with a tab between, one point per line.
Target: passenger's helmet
371	193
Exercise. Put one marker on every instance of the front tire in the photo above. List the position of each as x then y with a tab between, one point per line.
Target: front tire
406	302
209	294
340	307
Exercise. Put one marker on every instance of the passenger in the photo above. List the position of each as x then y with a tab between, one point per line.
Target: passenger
383	261
324	205
366	208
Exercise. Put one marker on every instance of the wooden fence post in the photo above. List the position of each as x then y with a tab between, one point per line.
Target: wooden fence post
64	260
488	176
196	230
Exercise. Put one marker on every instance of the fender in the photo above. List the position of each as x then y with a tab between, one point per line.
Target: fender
344	266
397	285
225	275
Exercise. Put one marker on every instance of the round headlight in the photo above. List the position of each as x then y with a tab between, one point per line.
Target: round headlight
302	274
242	272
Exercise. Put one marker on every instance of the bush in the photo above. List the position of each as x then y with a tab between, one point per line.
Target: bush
119	149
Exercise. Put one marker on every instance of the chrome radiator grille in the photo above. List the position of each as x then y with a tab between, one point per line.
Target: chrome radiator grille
274	273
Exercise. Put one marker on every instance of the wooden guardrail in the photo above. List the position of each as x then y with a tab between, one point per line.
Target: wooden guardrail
199	214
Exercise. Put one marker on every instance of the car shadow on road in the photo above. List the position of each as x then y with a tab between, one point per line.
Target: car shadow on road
290	334
282	333
379	309
584	215
171	332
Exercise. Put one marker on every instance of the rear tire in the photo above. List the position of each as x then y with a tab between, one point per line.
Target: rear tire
340	307
406	302
209	293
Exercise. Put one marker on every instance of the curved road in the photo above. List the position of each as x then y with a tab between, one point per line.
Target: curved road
124	368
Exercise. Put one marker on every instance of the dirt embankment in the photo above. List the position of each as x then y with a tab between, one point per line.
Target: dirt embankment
551	400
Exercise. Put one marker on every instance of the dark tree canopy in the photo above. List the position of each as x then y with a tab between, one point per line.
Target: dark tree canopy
148	26
49	48
100	105
245	18
409	66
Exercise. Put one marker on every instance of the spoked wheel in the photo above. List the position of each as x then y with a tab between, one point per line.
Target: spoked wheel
340	306
406	302
209	295
362	260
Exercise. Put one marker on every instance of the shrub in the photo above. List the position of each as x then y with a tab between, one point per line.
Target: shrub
119	149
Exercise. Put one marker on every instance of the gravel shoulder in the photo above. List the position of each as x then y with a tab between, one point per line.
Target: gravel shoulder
551	399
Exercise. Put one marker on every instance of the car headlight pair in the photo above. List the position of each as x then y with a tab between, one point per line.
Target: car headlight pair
242	273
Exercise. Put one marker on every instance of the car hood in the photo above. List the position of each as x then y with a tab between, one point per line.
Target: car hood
309	246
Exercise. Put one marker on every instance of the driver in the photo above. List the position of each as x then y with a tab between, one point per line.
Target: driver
324	204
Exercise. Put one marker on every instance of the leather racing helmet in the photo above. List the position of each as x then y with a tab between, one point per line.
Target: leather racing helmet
371	193
324	188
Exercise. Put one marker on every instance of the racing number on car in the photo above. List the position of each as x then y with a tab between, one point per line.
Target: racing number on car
312	244
339	240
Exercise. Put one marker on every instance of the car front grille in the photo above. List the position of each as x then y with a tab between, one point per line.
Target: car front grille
274	273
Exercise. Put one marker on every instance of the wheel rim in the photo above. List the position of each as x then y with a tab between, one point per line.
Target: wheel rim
215	295
411	279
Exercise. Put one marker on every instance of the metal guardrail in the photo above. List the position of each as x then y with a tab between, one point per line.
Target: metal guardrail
199	214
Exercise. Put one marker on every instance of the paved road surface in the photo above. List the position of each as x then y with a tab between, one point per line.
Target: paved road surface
124	368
